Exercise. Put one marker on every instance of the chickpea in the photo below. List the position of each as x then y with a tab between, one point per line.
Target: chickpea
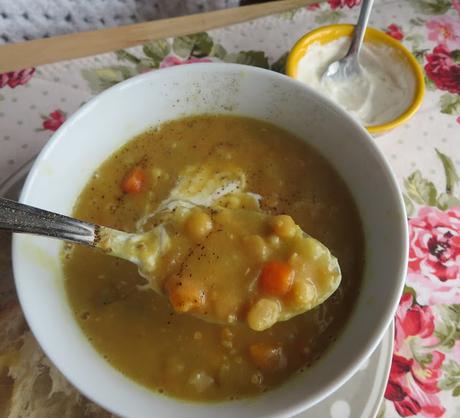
198	225
234	202
302	292
256	247
311	249
283	226
274	241
223	216
294	259
263	314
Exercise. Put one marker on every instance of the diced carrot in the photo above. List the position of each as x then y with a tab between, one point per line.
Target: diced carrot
133	181
185	295
267	356
276	278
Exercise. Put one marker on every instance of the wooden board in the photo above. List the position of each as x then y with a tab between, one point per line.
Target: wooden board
66	47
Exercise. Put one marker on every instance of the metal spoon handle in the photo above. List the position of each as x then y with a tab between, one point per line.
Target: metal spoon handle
17	217
360	28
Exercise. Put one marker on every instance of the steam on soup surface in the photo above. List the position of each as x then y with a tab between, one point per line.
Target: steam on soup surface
137	330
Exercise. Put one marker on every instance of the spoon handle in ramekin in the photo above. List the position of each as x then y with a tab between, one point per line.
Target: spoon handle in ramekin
360	28
17	217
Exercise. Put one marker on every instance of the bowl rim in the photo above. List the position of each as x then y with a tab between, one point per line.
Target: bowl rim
326	34
373	339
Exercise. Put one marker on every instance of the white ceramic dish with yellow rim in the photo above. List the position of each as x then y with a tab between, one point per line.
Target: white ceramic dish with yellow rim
114	117
326	34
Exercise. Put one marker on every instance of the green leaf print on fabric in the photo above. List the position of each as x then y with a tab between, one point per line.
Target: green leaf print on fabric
431	7
450	103
424	359
455	55
451	377
254	58
123	55
416	40
423	192
103	78
409	205
420	190
197	45
408	289
280	64
218	51
419	54
429	84
452	177
448	327
446	201
328	16
156	51
289	15
417	21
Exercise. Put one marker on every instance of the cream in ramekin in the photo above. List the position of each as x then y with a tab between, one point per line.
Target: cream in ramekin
389	90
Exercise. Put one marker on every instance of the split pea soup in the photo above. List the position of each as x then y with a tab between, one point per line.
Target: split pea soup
151	338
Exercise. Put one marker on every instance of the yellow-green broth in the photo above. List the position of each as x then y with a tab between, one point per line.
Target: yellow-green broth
179	355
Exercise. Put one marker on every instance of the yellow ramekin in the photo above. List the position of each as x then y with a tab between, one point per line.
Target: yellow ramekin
326	34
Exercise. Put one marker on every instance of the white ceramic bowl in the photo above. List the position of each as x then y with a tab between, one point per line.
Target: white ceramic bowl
114	117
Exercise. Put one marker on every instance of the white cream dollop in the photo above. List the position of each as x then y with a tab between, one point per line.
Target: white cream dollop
384	90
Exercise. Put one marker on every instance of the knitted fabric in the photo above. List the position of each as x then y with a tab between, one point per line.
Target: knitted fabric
21	20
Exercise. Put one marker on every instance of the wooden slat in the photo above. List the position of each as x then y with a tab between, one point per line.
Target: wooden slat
65	47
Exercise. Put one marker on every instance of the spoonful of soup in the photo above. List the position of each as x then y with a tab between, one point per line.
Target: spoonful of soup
209	249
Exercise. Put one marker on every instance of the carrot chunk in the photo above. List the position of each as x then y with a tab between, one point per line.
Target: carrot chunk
276	278
185	295
133	181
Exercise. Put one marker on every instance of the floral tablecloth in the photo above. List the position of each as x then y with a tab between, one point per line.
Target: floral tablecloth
424	153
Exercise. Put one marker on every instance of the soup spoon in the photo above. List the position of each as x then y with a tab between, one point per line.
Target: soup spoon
18	217
348	67
224	275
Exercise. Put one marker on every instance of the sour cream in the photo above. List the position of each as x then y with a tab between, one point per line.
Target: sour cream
383	91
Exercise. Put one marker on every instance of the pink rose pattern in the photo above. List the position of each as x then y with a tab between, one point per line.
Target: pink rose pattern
419	356
444	30
172	60
416	368
442	63
53	121
443	70
434	277
420	379
315	6
16	78
434	256
340	4
395	31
